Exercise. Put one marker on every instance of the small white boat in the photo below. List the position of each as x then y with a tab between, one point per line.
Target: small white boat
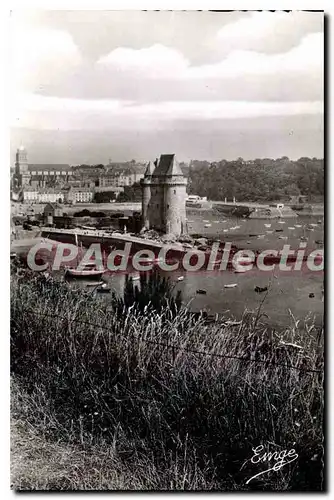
103	288
281	222
135	278
260	237
292	228
206	221
180	278
282	237
267	225
216	221
225	230
98	283
269	232
207	225
298	225
314	225
231	285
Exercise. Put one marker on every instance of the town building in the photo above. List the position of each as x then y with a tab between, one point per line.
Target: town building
38	175
42	195
50	196
79	195
30	195
164	196
42	175
120	179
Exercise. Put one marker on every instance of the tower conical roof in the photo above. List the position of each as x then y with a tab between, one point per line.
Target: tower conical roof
149	169
168	165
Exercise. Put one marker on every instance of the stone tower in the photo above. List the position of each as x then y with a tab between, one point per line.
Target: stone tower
22	174
166	209
146	194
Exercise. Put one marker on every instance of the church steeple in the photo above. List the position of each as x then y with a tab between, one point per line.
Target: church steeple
21	167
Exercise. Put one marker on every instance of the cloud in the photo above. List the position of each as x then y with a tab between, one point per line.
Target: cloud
307	57
35	102
159	62
269	32
156	61
40	55
49	112
46	59
154	72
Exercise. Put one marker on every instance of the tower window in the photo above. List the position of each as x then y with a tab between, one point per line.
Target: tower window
174	191
167	206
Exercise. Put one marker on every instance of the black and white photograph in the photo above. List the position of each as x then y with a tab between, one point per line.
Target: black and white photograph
167	227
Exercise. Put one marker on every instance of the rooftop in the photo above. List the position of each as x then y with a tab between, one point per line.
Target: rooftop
168	166
49	166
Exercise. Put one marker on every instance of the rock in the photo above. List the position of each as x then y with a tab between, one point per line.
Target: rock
201	241
168	238
185	239
260	289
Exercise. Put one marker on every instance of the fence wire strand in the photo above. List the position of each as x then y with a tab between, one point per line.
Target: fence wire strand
175	347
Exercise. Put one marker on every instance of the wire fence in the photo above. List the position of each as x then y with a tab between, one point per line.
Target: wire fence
176	347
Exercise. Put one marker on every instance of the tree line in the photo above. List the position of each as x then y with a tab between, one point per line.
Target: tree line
258	180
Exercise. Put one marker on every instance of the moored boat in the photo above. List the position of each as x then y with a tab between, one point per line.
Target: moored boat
88	272
103	289
91	285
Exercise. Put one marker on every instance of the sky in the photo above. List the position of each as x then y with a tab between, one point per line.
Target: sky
89	86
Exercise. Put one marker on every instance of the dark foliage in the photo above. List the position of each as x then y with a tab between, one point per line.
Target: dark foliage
131	193
153	293
259	180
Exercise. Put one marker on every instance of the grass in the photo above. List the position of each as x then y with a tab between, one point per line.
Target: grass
108	407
